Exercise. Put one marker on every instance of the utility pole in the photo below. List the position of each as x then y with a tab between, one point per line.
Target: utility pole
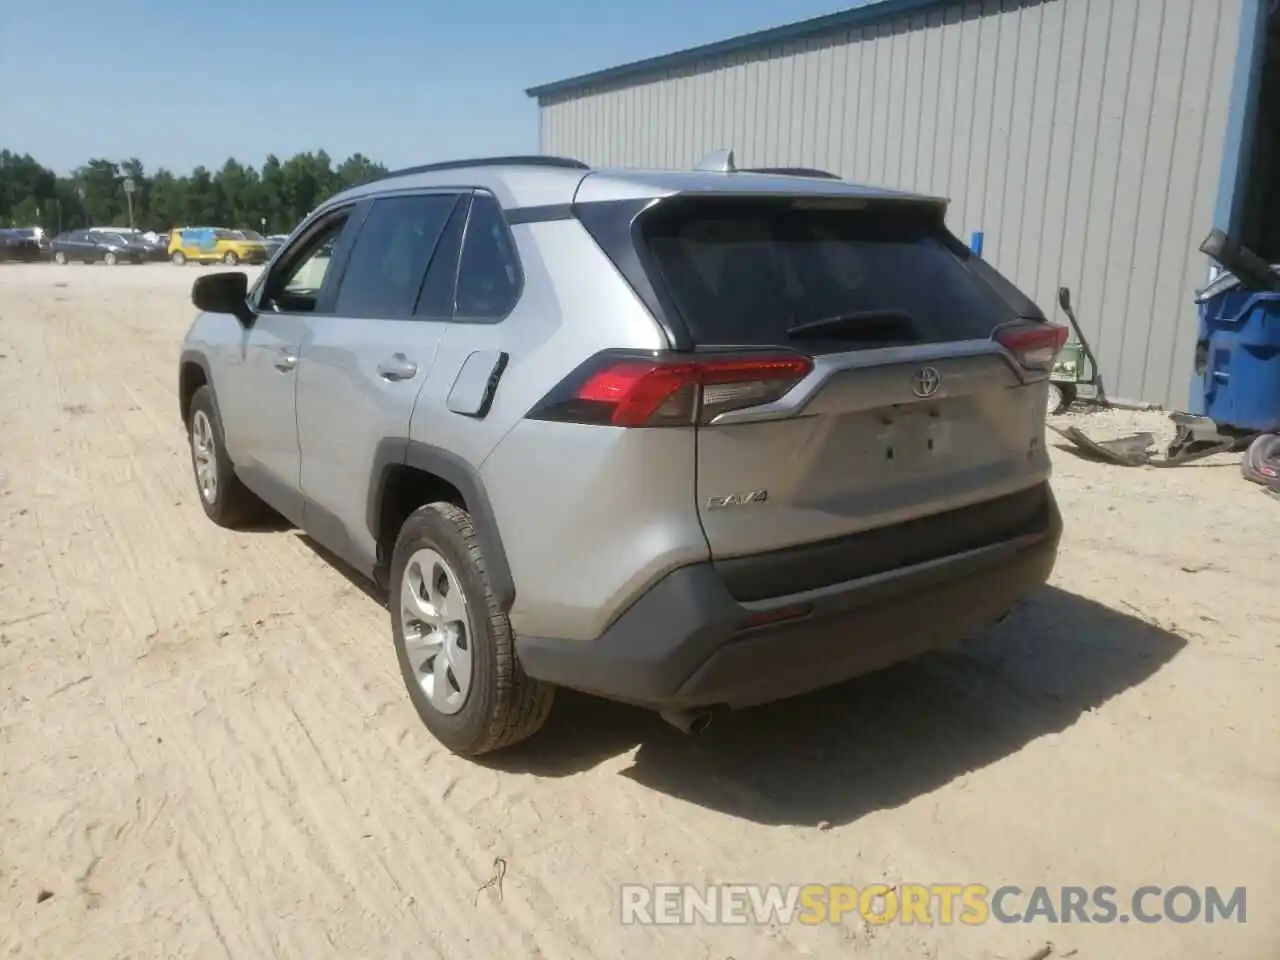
129	187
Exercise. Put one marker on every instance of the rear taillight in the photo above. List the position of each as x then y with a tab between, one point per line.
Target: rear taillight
621	389
1034	345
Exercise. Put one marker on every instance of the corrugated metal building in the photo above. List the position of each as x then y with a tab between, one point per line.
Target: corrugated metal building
1094	143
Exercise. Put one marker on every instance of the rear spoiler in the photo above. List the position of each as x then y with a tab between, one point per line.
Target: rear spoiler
1019	302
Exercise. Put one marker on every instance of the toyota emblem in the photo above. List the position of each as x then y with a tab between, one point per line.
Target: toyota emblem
926	381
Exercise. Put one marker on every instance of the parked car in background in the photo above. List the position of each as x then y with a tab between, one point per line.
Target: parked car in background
214	245
272	244
22	245
684	439
98	246
35	233
157	245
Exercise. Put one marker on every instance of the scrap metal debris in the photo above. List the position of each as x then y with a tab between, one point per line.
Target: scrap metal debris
499	871
1138	450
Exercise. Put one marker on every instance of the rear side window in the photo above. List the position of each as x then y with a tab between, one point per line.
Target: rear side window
391	253
778	272
489	277
435	301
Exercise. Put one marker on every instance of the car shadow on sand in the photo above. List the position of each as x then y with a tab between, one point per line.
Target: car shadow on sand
868	744
880	740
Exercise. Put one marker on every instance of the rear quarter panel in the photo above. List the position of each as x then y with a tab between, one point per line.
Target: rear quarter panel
590	518
614	508
573	305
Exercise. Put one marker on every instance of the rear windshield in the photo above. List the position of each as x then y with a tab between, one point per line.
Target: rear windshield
826	277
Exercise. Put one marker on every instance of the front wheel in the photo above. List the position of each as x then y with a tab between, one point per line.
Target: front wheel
453	641
231	259
60	258
109	259
178	258
226	500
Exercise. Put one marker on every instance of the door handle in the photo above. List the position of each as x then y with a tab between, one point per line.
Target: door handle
286	361
397	367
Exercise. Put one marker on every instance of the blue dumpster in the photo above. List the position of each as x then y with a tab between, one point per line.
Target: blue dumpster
1237	365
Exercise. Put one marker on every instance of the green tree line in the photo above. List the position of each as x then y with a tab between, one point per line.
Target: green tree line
272	198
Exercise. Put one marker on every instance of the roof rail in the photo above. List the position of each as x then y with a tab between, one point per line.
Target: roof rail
794	172
532	160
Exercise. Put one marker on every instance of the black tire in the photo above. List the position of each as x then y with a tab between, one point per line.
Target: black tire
178	258
503	706
1261	463
232	505
231	259
1061	396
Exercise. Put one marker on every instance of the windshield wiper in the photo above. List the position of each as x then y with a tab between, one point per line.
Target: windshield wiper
865	324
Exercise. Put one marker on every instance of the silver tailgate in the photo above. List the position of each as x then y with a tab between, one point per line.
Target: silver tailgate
871	438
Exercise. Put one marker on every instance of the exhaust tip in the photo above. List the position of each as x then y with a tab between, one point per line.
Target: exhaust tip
691	722
700	722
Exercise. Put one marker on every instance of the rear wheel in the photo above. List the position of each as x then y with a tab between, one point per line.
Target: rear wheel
453	641
1061	396
226	500
178	258
231	259
109	259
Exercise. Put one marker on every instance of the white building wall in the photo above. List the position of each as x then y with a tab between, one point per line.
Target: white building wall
1082	137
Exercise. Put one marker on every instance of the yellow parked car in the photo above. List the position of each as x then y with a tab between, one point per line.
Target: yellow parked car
214	244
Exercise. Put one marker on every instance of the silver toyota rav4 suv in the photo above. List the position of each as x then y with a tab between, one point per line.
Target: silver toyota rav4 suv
684	439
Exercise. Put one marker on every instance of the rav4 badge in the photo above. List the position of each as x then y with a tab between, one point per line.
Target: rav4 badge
737	499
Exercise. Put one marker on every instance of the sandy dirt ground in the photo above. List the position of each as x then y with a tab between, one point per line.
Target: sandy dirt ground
206	750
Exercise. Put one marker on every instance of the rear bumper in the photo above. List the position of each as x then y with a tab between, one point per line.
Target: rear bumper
687	642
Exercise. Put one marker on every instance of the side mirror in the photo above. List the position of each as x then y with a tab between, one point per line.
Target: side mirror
1064	299
223	293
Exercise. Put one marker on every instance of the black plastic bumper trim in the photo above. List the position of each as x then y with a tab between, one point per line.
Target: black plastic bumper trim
684	644
906	544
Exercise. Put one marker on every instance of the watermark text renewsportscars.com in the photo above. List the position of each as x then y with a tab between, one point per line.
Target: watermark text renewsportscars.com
934	904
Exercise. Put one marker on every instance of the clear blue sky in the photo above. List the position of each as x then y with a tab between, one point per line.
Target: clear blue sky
403	81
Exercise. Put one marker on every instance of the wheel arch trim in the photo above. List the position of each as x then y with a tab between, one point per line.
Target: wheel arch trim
395	452
191	356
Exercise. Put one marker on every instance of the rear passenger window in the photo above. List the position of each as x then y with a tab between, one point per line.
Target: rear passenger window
435	301
391	254
489	278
